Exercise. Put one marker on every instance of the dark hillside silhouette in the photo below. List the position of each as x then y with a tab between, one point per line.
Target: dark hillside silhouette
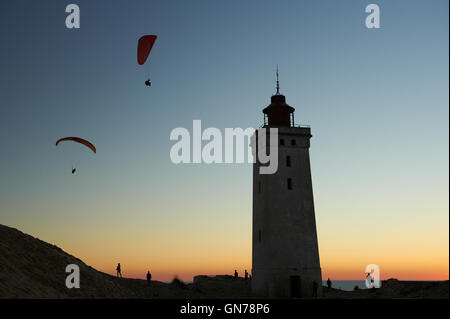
32	268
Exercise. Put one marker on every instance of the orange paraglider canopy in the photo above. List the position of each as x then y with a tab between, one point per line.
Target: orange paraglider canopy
79	140
145	45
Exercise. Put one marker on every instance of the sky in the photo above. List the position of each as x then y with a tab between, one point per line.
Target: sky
377	101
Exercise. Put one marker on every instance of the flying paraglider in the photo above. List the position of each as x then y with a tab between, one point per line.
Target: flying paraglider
78	140
145	45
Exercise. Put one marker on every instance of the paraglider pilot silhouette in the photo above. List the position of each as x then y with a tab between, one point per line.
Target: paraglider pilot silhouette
78	140
145	45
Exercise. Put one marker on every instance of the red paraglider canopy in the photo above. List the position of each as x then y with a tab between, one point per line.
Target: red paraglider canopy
145	45
79	140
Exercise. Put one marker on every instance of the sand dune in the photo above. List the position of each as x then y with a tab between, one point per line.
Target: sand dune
31	268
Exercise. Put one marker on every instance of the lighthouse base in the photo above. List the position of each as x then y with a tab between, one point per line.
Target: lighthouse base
287	283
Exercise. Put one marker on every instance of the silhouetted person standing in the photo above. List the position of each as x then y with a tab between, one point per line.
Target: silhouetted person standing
246	274
235	274
315	286
369	281
149	278
329	283
119	271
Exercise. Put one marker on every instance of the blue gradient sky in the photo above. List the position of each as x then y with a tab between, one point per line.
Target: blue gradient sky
377	102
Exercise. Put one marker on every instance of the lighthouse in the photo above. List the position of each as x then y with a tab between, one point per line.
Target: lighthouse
285	254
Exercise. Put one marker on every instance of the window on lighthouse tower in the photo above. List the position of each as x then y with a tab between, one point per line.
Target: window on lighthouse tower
289	183
288	161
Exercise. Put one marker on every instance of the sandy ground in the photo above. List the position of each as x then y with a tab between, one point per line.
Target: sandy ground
31	268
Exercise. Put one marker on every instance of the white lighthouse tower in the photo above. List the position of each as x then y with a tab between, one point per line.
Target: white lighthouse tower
285	255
